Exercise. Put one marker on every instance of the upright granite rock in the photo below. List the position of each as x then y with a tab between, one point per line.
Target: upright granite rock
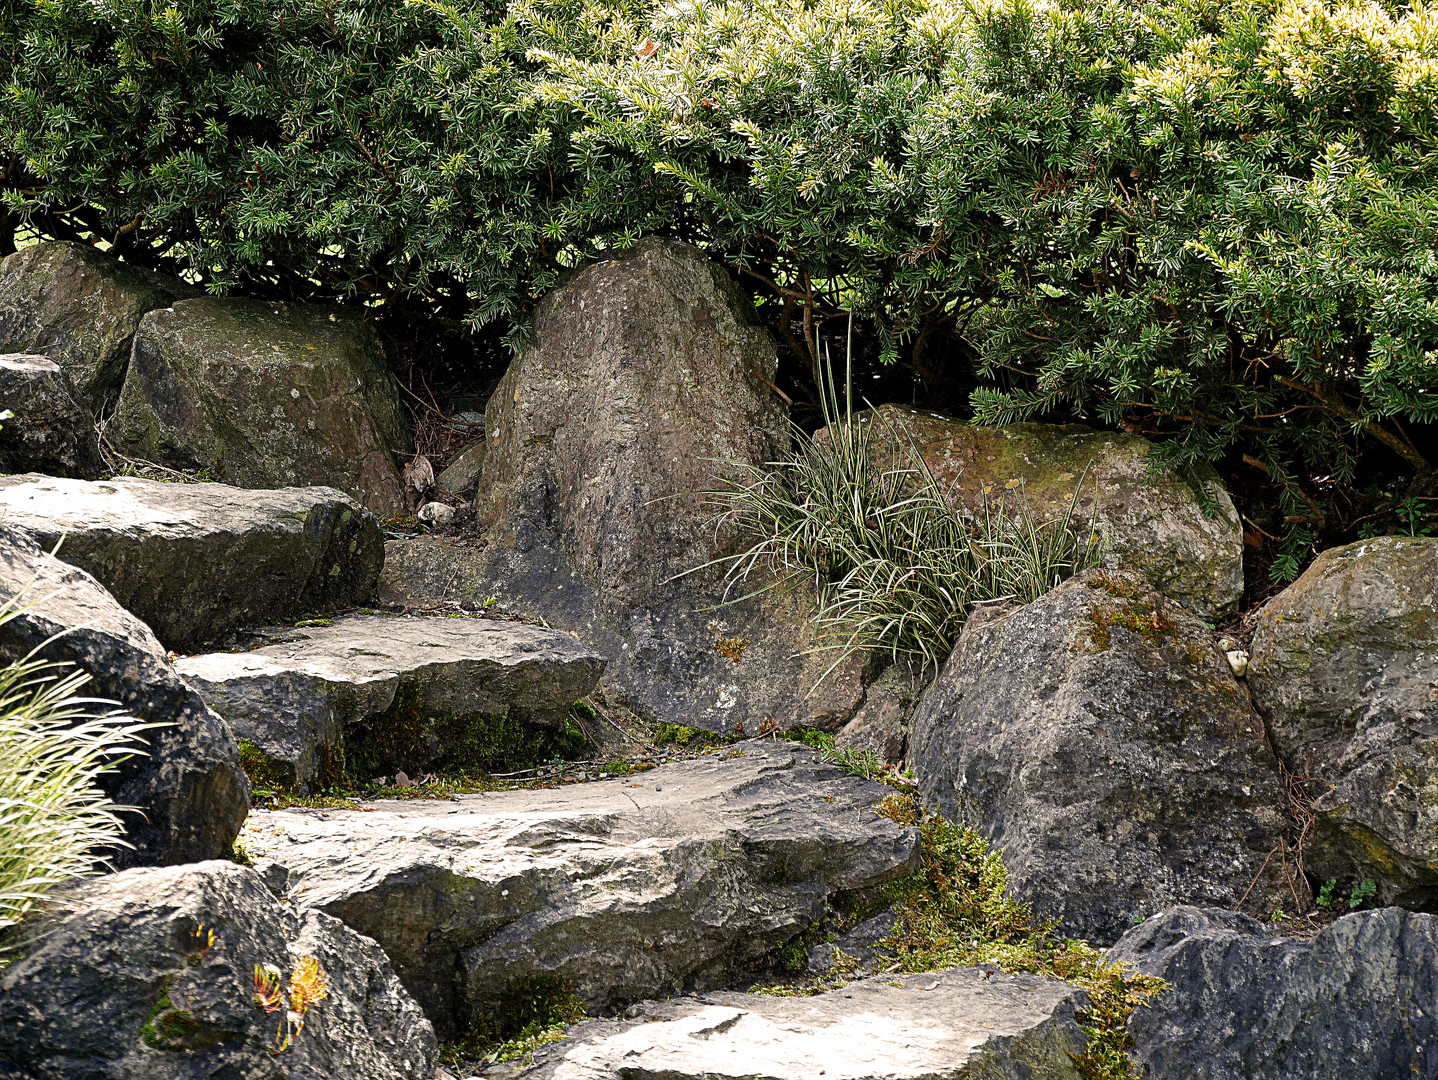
190	788
1181	534
47	430
647	373
265	395
194	561
80	307
123	982
1098	738
620	890
1344	666
1359	1001
373	695
961	1024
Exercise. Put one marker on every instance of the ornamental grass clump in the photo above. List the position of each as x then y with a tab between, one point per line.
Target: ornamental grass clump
55	822
896	567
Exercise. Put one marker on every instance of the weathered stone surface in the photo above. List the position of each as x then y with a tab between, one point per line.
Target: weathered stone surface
862	946
49	432
1182	536
79	306
881	725
1344	667
1360	1001
266	395
462	473
944	1025
194	561
190	787
647	372
623	889
375	695
119	988
1099	739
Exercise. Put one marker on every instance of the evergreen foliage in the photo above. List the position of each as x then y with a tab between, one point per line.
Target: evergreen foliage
1214	223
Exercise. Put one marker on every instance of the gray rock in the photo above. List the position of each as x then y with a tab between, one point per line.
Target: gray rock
881	725
1181	534
861	947
48	431
116	986
622	889
462	473
373	695
944	1025
266	395
1359	1001
436	513
195	561
191	789
1098	738
80	307
647	372
1344	668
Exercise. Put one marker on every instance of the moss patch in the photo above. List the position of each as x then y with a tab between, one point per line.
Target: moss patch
176	1030
533	1013
1137	613
265	773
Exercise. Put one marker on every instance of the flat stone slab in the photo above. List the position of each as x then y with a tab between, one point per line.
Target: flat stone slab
965	1022
195	561
626	889
373	695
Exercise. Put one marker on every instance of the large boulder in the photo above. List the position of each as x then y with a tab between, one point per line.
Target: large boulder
264	395
1181	533
80	307
123	982
946	1025
47	431
194	561
648	372
1359	1001
190	789
1099	739
1344	666
371	694
618	890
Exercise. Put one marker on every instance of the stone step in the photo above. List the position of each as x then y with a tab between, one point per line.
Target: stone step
619	890
372	695
964	1022
195	561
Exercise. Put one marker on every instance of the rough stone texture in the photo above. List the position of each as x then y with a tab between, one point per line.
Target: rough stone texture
120	962
411	688
945	1025
49	431
266	395
1183	537
462	473
625	889
79	306
861	946
190	787
1360	1001
1344	666
194	561
646	373
1119	769
882	723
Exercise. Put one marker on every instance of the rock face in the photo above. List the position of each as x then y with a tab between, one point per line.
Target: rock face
1345	669
79	307
121	988
373	695
462	473
945	1025
49	432
1359	1001
646	373
619	890
1182	536
266	395
1099	739
196	560
190	788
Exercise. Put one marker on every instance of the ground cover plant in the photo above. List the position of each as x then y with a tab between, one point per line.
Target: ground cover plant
1211	223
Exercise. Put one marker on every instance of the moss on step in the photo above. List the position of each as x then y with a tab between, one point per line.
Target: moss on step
533	1013
264	772
174	1029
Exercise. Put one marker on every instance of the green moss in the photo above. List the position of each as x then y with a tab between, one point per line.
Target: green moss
265	774
686	738
176	1030
532	1013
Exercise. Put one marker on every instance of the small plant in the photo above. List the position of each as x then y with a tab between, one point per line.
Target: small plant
732	649
201	942
1362	893
308	986
1325	894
